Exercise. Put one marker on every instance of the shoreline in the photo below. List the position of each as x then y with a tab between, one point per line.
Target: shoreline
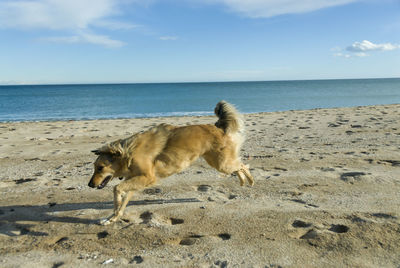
325	194
185	115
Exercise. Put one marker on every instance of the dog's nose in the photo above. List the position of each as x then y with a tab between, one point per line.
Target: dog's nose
91	184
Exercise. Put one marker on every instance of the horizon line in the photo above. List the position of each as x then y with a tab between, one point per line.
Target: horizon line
189	82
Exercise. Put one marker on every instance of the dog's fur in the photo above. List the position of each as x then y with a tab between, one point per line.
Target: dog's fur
164	150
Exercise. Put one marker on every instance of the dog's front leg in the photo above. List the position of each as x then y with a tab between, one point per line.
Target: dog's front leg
120	202
122	194
113	217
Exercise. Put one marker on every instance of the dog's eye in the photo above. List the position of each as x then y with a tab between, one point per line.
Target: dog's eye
100	168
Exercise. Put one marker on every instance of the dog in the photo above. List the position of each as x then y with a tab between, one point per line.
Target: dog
163	150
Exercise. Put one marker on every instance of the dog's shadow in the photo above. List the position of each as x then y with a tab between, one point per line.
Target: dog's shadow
13	218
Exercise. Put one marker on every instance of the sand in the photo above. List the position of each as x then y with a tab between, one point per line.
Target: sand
326	194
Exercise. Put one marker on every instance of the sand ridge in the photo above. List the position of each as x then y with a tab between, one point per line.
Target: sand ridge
326	193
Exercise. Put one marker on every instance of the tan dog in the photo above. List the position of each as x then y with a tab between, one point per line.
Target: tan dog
164	150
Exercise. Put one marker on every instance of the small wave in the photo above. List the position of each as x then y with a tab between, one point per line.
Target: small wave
168	114
102	117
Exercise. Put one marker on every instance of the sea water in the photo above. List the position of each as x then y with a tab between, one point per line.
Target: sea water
106	101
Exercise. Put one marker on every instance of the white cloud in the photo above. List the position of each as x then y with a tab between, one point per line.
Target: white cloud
74	16
345	55
369	46
168	38
340	54
271	8
360	49
55	14
84	37
115	25
361	54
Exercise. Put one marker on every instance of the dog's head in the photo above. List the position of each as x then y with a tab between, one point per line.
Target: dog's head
106	167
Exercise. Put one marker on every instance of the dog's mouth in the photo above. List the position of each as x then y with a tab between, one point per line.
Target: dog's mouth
104	183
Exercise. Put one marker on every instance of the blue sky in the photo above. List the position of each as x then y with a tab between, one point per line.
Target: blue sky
120	41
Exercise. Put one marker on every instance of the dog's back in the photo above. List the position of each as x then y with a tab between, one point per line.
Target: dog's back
213	142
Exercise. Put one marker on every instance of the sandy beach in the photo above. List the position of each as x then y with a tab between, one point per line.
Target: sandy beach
326	194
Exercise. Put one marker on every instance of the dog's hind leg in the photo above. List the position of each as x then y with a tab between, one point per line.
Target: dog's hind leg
241	177
123	193
229	163
244	171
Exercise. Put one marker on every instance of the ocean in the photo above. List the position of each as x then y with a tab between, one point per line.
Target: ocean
108	101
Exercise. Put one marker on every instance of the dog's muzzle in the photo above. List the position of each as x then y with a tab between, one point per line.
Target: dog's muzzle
102	185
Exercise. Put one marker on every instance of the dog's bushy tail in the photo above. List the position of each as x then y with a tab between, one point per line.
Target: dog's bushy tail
229	119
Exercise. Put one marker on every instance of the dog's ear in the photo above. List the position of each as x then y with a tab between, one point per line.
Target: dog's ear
96	152
112	149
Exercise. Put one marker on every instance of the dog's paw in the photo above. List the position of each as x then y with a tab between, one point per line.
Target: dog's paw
106	221
109	220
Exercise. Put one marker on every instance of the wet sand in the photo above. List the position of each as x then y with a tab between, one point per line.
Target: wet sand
326	194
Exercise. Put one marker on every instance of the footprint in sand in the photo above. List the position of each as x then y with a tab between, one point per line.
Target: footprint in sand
352	177
306	230
150	218
152	191
300	229
58	264
394	163
221	264
339	228
307	205
301	224
384	216
175	221
56	152
137	260
102	235
192	239
203	188
19	181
